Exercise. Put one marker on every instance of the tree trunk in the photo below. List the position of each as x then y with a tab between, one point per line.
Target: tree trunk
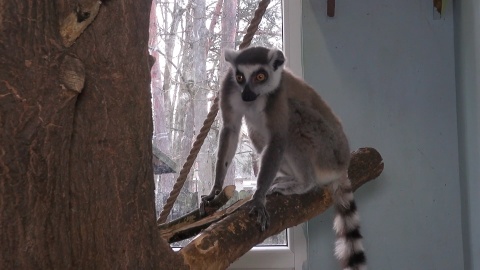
204	158
170	40
185	113
213	22
228	42
76	186
160	138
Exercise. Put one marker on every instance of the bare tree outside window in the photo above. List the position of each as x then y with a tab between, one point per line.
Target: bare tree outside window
187	38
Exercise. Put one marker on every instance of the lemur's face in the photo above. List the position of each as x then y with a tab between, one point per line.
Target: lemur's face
257	70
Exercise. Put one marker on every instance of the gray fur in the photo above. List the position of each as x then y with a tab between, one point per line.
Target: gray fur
230	55
301	141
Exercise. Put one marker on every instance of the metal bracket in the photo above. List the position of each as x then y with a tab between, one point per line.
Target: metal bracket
330	8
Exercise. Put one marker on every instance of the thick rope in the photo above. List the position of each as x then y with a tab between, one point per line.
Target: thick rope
207	124
253	26
182	177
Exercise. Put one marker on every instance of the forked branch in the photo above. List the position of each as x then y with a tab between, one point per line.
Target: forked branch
225	241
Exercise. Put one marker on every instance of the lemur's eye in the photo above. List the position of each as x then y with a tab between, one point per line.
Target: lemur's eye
239	78
260	77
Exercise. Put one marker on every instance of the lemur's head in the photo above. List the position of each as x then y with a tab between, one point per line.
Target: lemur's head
257	70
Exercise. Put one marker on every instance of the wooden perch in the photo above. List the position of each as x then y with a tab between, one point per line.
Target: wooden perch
225	241
193	224
185	227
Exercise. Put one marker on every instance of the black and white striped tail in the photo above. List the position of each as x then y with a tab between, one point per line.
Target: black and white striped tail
348	247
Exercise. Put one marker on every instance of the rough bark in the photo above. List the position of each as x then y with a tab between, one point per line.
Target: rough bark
218	246
76	187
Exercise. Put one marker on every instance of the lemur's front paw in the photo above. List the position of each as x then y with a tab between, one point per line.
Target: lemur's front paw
206	199
260	211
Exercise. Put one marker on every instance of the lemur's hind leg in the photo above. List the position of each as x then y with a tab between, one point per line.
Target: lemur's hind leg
287	185
298	170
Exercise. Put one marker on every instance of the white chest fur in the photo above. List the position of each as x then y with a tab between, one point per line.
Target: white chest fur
254	113
255	117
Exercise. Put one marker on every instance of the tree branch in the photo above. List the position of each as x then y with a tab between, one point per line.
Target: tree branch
218	246
186	226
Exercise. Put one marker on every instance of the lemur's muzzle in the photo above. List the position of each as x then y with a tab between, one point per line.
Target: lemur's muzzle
248	95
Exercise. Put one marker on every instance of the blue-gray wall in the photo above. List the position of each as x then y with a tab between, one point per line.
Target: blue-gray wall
467	50
388	69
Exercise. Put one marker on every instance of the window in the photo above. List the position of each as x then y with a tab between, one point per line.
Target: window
187	38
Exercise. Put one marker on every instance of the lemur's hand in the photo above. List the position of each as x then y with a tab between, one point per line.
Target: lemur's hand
208	198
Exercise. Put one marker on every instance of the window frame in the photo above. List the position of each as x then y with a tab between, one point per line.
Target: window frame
294	254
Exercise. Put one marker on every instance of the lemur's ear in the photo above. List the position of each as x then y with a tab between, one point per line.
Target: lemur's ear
277	59
230	55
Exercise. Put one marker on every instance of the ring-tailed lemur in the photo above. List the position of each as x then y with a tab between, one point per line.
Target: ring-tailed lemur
301	141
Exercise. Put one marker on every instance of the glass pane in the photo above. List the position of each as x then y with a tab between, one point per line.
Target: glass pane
186	39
